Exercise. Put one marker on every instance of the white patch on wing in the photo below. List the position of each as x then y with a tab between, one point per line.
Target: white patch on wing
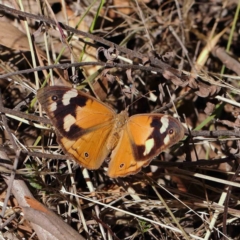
149	144
166	140
53	106
68	121
68	95
165	123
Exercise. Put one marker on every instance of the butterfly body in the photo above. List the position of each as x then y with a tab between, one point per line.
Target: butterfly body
89	131
117	128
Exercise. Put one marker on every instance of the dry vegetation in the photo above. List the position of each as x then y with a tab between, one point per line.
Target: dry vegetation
175	57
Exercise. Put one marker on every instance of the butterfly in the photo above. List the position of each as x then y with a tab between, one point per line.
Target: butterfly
89	131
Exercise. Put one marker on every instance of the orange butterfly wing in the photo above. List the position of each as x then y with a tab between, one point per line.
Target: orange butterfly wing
89	131
143	137
83	124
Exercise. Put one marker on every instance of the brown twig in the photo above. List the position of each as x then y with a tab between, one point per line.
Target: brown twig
226	205
15	163
68	65
154	61
23	115
226	59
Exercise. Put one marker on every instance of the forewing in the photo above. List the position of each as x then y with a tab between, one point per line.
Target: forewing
151	134
72	112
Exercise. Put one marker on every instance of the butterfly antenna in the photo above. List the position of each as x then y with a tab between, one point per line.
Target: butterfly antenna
120	83
173	104
142	96
130	91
